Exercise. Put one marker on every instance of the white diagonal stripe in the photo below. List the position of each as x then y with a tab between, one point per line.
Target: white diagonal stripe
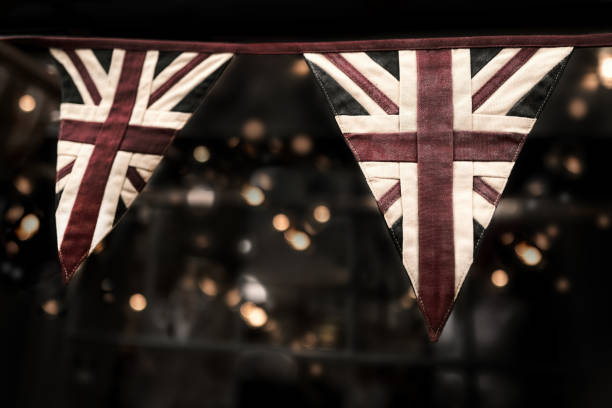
523	80
175	66
380	77
110	199
492	67
192	79
63	59
347	83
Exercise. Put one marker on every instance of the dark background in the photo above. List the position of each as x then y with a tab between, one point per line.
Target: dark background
342	328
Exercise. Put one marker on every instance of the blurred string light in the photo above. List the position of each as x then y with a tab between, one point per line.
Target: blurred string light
14	213
298	240
536	188
301	144
562	285
262	179
233	297
507	238
208	287
51	307
138	302
253	315
200	197
316	369
542	241
577	108
528	254
28	227
590	82
11	248
253	129
605	67
321	214
233	141
23	185
280	222
27	103
252	290
499	278
552	230
201	154
106	285
253	195
300	68
245	246
573	165
603	221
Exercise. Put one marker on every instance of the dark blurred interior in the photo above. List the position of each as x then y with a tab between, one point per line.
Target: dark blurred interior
255	269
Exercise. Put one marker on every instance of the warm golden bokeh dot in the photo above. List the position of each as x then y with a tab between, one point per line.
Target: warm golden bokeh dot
253	315
138	302
208	287
201	154
280	222
299	240
321	213
28	227
27	103
528	254
253	195
499	278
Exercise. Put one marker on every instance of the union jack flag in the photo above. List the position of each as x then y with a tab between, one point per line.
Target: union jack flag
436	134
119	113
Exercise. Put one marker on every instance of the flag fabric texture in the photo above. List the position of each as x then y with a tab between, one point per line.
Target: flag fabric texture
435	125
119	112
436	134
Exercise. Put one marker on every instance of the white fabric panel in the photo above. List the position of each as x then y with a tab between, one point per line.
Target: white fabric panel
380	77
389	170
168	120
59	186
462	90
492	67
63	59
408	91
463	177
410	222
483	210
145	161
145	174
345	82
96	72
493	169
368	124
73	182
192	79
525	78
144	88
175	66
63	160
498	123
65	147
84	113
110	199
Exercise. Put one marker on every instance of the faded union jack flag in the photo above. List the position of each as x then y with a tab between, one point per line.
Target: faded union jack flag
119	113
436	134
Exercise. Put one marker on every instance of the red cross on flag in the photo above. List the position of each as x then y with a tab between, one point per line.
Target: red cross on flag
119	113
436	134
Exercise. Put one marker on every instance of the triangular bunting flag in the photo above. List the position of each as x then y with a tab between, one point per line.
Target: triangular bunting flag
119	112
436	134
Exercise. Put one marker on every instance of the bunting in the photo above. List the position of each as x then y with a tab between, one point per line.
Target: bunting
435	125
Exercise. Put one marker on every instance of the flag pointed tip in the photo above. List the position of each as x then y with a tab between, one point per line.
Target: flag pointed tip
435	317
69	267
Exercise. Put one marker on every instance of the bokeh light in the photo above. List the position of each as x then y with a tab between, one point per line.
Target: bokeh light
298	240
321	213
27	103
208	287
138	302
28	227
253	315
253	195
499	278
201	154
528	254
280	222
